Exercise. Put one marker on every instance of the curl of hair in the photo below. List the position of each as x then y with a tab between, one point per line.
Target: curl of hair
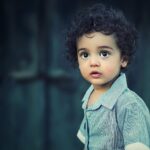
106	20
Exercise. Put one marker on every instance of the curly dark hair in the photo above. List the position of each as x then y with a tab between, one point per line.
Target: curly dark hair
106	20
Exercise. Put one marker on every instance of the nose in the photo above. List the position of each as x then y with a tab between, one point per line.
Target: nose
94	62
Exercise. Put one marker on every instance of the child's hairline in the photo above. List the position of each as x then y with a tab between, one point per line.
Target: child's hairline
93	31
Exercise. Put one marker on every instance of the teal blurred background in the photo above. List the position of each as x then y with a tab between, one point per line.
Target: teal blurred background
40	94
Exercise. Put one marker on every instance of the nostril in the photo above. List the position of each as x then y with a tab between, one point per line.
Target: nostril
94	65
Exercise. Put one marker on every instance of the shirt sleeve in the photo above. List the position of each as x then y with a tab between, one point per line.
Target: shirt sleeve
136	146
81	132
136	126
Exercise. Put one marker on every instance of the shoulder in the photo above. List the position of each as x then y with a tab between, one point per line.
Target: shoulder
132	109
129	100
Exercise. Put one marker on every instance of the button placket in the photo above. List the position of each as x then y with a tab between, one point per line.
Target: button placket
87	114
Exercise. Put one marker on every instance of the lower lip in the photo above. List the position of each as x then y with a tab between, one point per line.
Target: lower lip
96	75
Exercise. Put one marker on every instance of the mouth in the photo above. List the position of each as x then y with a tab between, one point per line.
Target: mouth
95	74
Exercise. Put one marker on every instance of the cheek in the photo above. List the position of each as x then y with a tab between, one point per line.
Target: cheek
111	69
82	68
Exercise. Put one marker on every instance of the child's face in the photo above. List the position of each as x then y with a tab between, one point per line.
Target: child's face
99	58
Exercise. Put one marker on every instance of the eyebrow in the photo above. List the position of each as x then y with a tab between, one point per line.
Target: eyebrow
81	49
99	47
104	46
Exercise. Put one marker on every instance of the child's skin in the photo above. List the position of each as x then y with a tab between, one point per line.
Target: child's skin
100	61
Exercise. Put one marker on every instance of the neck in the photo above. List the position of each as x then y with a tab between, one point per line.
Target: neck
103	88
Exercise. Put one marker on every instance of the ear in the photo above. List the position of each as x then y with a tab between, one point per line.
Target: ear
124	61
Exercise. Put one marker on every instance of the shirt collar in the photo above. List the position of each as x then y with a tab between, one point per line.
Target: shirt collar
109	98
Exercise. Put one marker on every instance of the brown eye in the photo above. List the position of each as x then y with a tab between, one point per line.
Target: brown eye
104	53
84	55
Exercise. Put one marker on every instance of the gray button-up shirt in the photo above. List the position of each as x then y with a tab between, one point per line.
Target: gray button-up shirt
119	118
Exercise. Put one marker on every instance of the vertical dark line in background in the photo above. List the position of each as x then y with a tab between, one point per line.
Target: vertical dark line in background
46	83
10	33
44	48
10	48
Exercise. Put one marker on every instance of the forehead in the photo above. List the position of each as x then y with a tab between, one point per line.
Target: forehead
96	39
